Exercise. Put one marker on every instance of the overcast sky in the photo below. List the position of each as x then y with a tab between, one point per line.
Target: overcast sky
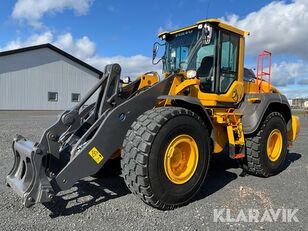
106	31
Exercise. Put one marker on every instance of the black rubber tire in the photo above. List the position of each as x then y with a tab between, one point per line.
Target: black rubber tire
143	156
257	160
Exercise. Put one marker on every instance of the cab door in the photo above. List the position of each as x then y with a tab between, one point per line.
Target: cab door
229	88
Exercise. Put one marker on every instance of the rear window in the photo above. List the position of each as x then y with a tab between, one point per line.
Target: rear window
249	75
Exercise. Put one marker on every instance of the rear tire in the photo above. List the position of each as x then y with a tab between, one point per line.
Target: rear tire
144	156
263	158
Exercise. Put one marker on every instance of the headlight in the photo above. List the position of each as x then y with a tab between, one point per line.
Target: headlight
191	74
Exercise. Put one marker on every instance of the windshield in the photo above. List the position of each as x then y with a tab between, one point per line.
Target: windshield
186	50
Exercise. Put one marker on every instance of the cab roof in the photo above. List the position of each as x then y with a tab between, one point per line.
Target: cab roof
211	21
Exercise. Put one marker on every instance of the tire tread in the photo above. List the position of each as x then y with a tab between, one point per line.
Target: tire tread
253	149
136	149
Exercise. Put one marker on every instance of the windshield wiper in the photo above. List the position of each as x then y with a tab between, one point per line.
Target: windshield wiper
193	51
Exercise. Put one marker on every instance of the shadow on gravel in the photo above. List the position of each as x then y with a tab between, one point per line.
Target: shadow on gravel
85	194
218	175
291	157
90	192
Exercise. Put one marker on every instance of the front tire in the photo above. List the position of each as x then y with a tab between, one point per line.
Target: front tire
266	150
166	156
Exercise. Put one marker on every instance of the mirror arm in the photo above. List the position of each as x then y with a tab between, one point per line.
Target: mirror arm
155	63
155	49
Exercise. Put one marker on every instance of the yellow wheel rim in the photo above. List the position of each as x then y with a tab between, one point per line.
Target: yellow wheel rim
181	159
274	145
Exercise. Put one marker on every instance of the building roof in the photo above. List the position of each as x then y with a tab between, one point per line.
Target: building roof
54	48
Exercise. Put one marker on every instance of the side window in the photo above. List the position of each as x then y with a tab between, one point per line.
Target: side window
182	61
228	60
203	52
205	66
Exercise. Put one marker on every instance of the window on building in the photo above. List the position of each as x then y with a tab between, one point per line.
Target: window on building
53	96
75	97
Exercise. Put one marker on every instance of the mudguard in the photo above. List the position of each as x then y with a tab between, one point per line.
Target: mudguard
254	110
191	103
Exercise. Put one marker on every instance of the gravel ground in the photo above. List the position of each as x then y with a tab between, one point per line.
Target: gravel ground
106	204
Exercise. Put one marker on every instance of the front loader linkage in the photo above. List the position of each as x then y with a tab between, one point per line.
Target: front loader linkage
82	140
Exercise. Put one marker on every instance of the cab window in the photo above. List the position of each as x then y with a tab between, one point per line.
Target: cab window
205	66
228	60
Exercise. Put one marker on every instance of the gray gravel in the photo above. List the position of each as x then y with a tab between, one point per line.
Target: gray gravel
106	204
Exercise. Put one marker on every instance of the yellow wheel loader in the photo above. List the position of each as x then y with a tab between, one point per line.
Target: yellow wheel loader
164	131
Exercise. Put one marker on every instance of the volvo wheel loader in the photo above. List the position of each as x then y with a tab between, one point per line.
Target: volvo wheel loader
164	131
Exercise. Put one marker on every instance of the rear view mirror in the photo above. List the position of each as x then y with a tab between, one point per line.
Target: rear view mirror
208	33
155	50
156	46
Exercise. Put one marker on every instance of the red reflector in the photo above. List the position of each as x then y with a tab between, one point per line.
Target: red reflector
239	156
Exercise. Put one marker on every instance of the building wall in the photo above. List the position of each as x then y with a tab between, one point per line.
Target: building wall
27	77
299	102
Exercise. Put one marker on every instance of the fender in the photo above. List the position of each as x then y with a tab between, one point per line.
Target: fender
191	103
254	111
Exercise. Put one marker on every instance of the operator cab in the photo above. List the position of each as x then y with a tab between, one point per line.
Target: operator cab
211	48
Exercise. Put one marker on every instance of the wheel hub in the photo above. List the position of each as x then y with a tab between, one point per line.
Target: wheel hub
181	159
274	145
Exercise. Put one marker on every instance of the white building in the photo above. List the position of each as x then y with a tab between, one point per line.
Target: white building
43	78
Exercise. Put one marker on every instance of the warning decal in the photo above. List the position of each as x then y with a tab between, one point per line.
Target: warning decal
96	155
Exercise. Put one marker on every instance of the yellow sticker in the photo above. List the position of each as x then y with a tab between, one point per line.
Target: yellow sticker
96	155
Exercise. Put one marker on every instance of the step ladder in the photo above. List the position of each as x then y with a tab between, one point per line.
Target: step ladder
235	134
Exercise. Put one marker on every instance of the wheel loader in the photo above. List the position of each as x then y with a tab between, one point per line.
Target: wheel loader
165	130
